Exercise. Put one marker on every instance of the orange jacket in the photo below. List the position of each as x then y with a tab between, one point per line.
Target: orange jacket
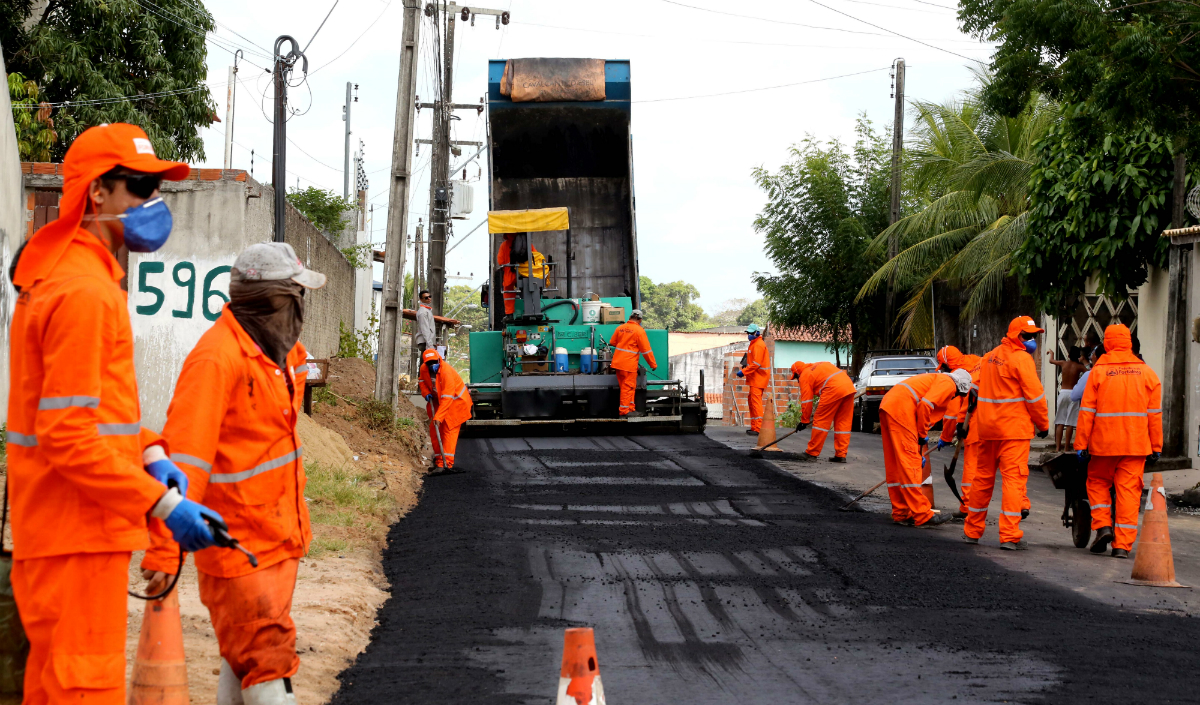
75	439
918	402
956	410
508	279
629	341
453	400
1121	412
822	379
1012	403
758	364
232	429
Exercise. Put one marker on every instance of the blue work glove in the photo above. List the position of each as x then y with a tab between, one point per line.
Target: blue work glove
188	527
429	398
942	444
168	472
1153	458
1081	455
741	374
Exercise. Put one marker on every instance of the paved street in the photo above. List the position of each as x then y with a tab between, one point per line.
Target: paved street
710	577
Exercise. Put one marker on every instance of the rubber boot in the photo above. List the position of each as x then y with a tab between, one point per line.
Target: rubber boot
276	692
1104	536
229	686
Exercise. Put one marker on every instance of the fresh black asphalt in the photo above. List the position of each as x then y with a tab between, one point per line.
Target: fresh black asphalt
710	577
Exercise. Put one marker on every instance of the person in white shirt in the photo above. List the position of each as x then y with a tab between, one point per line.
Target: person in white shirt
426	331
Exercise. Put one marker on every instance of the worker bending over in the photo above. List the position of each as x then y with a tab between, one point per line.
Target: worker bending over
448	404
232	426
905	415
1012	406
757	373
1120	427
83	475
834	412
629	343
950	359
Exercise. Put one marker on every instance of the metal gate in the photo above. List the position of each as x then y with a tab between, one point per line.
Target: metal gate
1093	313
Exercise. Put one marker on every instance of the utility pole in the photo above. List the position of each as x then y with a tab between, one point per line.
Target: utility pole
387	369
1175	352
894	213
283	69
230	99
346	164
418	284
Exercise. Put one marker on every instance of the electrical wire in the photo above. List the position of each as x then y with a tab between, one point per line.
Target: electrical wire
167	15
911	39
897	7
319	27
764	88
128	98
386	7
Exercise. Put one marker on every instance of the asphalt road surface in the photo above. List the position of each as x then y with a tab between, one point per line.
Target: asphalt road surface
710	577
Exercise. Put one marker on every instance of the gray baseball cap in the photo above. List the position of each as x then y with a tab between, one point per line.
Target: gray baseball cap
635	313
274	261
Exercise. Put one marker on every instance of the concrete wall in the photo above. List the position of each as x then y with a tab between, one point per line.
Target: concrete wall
12	217
687	367
788	352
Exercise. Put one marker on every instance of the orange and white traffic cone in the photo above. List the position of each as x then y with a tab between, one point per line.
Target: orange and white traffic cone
159	670
579	678
766	434
1153	564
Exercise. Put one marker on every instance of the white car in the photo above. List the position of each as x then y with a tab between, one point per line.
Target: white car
878	375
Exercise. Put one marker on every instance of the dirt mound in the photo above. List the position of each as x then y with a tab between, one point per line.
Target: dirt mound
352	377
322	445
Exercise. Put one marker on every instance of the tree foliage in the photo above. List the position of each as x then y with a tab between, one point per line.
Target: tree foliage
1098	202
823	207
323	208
757	312
31	118
670	305
144	61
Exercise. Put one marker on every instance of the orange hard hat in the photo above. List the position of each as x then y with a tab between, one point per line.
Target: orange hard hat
430	355
93	153
1023	324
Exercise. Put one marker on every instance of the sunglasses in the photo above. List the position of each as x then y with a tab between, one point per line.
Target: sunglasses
140	185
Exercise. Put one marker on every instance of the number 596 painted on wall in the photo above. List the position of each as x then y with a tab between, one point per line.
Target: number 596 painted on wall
184	275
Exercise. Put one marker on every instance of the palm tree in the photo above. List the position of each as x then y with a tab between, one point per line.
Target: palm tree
971	169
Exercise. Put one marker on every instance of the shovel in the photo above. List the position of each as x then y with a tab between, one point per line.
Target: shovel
949	470
846	506
757	452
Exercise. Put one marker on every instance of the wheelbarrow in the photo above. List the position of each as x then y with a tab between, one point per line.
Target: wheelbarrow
1069	473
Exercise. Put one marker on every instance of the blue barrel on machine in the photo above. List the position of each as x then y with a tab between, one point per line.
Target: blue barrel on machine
560	359
587	363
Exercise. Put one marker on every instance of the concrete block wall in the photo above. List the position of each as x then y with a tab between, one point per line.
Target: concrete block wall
737	395
332	305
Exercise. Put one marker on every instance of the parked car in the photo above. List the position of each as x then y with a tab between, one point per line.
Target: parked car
880	372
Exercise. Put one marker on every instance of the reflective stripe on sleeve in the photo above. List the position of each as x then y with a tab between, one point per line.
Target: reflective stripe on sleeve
192	460
1120	413
931	404
1003	401
1153	411
1084	408
949	418
279	462
911	391
806	401
53	403
1037	398
119	429
25	440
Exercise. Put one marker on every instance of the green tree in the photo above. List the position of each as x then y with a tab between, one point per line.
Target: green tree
31	118
671	306
323	208
462	303
971	168
757	312
116	61
823	207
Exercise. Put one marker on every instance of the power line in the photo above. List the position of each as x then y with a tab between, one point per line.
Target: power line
911	39
768	19
353	43
167	15
898	7
320	27
764	88
129	98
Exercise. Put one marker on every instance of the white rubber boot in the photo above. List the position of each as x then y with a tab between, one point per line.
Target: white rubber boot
276	692
229	686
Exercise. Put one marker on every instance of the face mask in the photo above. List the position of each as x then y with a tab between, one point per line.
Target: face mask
751	336
147	226
1031	346
433	369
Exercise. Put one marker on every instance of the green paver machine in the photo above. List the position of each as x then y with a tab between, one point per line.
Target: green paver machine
561	194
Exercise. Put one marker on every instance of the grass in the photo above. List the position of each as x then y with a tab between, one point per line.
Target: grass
343	504
322	395
326	544
377	415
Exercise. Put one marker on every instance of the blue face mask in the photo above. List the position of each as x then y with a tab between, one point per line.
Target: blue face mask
147	226
751	336
433	369
1031	346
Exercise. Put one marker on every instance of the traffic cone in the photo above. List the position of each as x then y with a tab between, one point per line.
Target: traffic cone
579	678
159	670
766	433
1153	564
927	481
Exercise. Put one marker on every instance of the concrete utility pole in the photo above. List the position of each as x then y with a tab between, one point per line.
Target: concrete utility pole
1174	379
894	213
387	368
418	284
346	164
230	99
283	69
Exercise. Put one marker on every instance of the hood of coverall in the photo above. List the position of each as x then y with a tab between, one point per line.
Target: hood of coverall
1118	346
951	357
1019	325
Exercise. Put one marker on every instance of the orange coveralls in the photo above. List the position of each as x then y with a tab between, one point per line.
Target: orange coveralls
1120	423
629	342
453	407
956	412
758	375
835	411
905	415
1012	404
509	278
78	489
232	428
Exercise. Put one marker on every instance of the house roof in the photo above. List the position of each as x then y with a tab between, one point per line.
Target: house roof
802	335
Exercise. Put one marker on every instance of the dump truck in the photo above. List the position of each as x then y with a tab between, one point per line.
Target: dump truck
561	191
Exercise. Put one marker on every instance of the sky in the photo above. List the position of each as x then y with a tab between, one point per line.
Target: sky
719	89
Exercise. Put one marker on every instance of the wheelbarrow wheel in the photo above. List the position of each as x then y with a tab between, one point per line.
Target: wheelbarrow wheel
1081	523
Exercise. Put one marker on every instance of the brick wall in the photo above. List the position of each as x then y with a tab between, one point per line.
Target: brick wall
737	393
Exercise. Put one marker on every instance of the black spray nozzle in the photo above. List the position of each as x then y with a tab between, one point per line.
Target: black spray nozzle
221	536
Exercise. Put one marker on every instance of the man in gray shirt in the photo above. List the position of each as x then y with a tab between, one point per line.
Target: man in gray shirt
426	331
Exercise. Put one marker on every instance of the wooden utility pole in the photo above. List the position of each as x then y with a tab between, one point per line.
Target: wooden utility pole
418	284
439	181
387	366
894	212
1174	379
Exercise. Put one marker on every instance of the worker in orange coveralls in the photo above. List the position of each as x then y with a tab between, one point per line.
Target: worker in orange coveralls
797	370
835	411
448	404
905	415
1120	426
83	474
950	359
1011	408
232	426
757	373
509	279
629	342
